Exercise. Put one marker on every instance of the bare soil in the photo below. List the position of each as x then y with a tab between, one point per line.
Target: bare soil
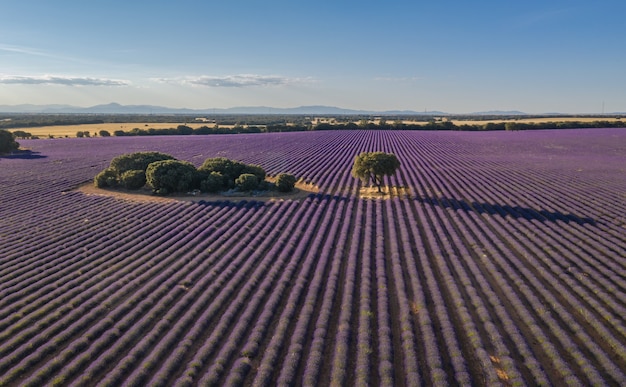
387	192
301	191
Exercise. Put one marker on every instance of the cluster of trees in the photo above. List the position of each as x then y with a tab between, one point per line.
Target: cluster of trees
36	120
165	174
7	142
183	130
102	133
382	125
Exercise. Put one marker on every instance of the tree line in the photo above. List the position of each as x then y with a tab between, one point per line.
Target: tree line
433	125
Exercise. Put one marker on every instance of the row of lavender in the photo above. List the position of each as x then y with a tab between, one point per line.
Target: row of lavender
499	266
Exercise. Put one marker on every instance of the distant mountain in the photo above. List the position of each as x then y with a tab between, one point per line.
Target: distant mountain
116	108
499	113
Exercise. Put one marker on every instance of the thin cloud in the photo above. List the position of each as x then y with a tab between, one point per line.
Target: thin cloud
397	79
240	80
60	80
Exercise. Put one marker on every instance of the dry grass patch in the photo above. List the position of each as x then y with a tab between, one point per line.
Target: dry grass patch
70	130
388	192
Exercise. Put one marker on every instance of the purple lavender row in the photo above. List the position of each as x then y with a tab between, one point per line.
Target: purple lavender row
284	249
322	247
364	340
272	354
549	233
89	318
56	327
558	199
339	371
467	326
320	341
565	370
409	351
160	290
181	311
30	299
252	252
73	269
457	358
217	370
598	265
170	286
385	343
24	247
265	275
500	351
36	251
569	321
206	288
508	325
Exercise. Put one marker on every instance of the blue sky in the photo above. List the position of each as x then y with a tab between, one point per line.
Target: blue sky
454	56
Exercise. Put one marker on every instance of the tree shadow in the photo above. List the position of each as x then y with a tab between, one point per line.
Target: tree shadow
24	155
515	212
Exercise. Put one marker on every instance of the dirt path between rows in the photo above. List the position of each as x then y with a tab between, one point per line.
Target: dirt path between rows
301	191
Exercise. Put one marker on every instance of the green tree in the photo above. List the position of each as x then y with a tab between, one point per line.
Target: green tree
212	182
137	161
133	179
22	134
247	182
169	176
230	169
7	142
285	182
106	178
104	133
373	166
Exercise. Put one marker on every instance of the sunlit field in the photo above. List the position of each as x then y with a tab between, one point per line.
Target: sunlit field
494	258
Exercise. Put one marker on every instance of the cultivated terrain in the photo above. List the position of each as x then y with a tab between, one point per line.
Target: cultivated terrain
498	258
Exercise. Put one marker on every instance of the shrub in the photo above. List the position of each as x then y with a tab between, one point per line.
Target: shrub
213	182
104	133
168	176
7	142
137	161
231	169
80	134
256	170
106	178
285	182
133	179
22	134
247	182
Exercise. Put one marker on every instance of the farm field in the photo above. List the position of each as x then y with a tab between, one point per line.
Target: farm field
501	262
71	130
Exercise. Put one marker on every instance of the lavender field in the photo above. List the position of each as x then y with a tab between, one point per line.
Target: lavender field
503	261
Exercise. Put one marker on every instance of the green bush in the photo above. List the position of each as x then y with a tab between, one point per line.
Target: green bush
106	178
137	161
213	182
247	182
7	142
231	169
256	170
134	179
167	176
285	182
104	133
